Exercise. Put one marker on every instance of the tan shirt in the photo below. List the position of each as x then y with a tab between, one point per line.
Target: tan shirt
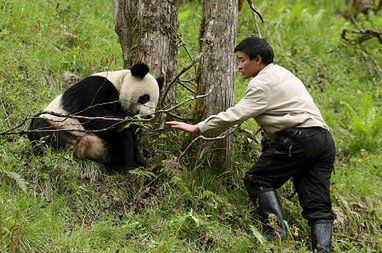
276	99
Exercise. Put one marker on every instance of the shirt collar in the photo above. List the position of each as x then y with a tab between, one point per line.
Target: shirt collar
265	68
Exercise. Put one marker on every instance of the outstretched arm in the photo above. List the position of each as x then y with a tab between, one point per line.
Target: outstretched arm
184	126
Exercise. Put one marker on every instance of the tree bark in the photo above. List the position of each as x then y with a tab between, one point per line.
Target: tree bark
217	68
147	31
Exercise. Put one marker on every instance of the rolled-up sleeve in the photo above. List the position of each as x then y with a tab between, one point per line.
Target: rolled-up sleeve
252	104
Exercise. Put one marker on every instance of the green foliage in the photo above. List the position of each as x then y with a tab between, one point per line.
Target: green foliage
16	177
55	203
366	125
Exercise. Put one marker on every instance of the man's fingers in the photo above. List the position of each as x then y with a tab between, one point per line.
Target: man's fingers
180	125
174	123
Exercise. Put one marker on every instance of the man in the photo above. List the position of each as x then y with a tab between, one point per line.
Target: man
297	143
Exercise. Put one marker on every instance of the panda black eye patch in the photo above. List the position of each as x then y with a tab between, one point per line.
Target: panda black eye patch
144	99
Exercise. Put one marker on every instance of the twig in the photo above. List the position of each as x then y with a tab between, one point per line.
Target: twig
178	117
177	77
254	10
9	131
186	101
187	81
66	116
251	135
73	116
366	34
42	130
219	137
254	18
100	104
182	42
186	87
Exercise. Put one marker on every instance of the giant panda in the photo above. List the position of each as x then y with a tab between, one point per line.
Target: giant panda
115	94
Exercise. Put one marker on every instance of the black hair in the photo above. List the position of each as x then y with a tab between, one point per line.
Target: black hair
254	46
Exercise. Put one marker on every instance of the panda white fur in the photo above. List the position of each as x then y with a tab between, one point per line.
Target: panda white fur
116	94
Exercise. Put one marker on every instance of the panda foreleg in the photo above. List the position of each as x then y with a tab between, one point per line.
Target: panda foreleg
130	148
137	155
120	151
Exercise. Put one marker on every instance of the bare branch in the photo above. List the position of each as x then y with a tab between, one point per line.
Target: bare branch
219	137
178	117
249	134
184	102
187	81
255	12
365	34
100	104
186	87
73	116
177	78
56	130
9	131
64	117
182	42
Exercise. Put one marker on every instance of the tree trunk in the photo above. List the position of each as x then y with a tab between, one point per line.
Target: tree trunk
217	68
147	31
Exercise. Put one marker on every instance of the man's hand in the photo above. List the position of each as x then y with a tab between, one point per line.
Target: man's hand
184	126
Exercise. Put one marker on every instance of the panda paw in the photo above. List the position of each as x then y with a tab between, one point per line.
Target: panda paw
141	161
135	165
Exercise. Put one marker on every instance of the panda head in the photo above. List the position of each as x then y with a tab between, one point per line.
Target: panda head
139	92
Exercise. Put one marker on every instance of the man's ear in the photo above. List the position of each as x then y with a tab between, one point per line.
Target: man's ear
258	58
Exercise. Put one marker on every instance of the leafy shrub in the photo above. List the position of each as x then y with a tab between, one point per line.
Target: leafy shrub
365	125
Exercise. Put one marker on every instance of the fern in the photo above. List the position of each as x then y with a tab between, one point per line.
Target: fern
365	125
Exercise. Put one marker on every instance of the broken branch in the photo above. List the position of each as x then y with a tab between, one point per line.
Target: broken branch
365	34
219	137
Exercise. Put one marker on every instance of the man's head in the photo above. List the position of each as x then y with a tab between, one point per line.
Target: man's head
254	55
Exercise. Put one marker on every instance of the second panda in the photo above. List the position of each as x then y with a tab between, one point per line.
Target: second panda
116	94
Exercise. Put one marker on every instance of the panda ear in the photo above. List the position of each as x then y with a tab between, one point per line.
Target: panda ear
139	70
160	81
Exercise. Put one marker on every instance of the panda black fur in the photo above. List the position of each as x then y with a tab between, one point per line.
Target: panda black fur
114	94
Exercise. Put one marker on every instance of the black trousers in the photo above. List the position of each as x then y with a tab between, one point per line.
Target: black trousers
305	154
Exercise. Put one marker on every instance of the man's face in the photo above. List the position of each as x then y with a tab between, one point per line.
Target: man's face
247	67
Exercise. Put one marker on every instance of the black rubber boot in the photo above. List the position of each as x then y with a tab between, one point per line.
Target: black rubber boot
270	204
321	236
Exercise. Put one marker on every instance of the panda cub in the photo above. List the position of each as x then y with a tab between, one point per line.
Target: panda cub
116	94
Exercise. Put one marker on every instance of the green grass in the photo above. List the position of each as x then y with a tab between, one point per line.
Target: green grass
56	203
